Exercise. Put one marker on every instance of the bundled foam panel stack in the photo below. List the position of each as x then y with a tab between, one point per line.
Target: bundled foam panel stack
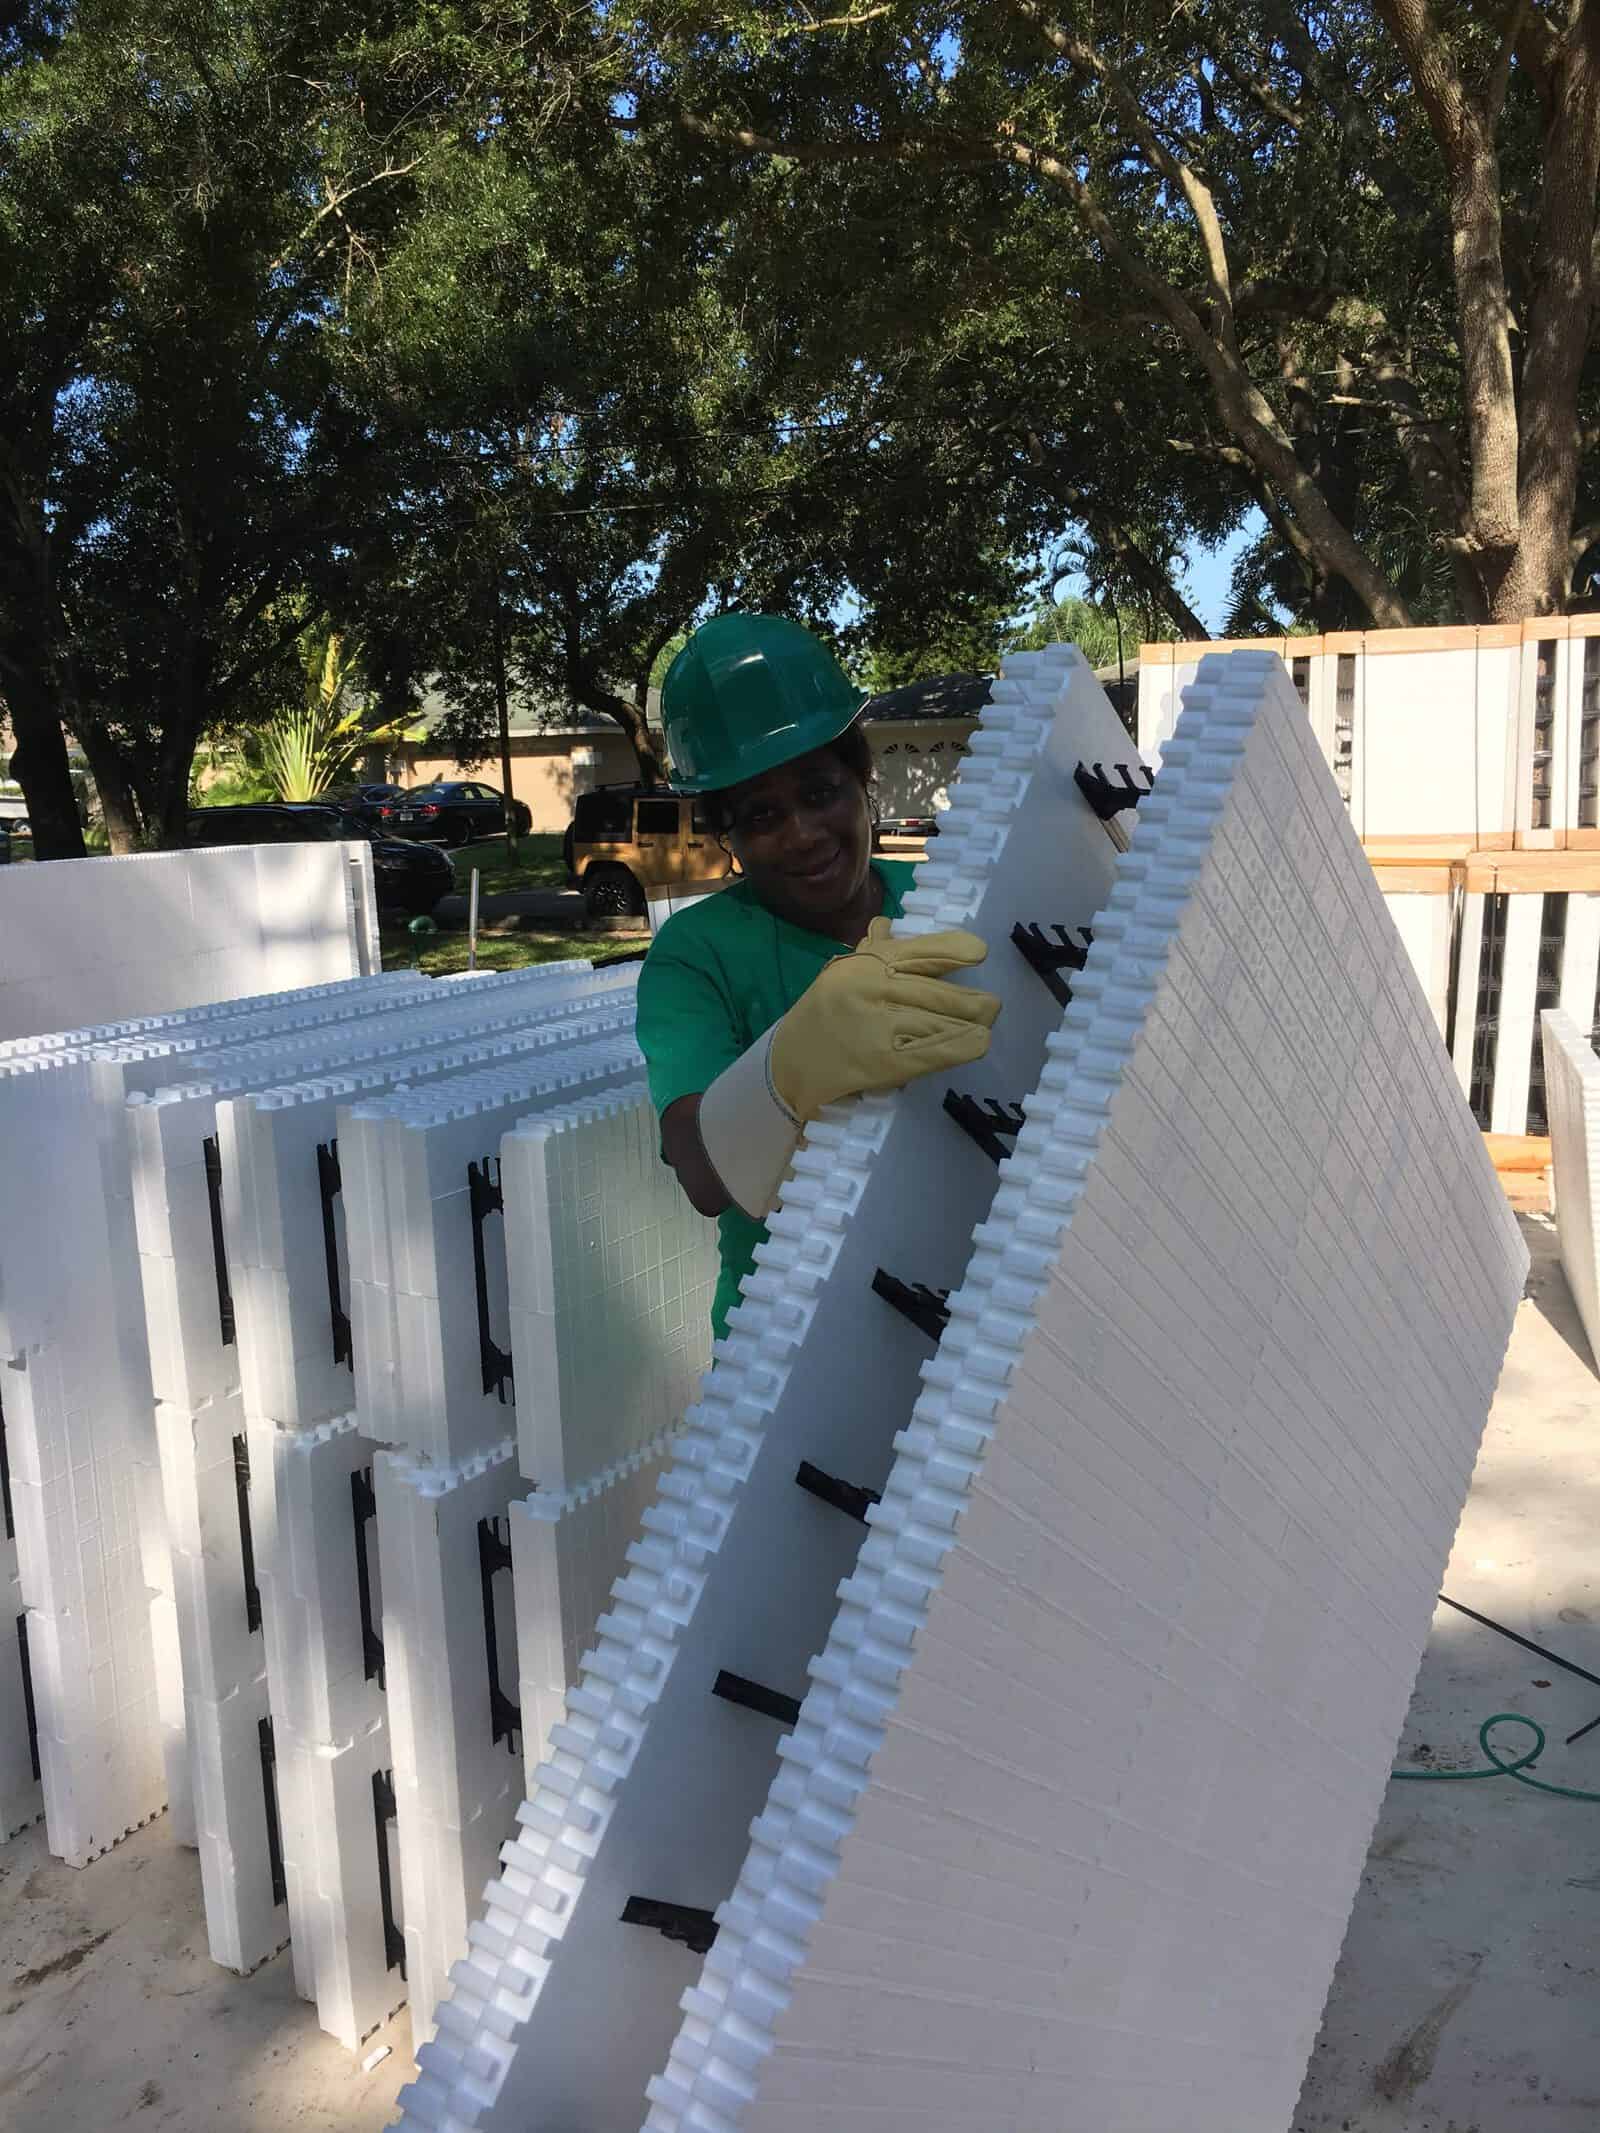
566	2003
1521	952
312	1472
182	1197
1148	1572
1148	1584
93	1561
598	1234
1572	1083
430	1271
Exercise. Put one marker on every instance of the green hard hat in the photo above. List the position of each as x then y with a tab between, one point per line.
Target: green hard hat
749	692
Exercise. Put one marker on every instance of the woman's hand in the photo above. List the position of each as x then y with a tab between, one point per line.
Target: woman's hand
874	1019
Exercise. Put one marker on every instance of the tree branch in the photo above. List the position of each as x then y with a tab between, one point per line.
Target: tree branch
1088	61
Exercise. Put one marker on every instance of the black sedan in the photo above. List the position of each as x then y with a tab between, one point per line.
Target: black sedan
405	877
455	813
363	800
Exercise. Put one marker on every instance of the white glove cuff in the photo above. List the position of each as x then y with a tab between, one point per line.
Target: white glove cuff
748	1131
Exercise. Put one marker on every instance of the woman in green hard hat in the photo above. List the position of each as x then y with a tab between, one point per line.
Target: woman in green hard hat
784	991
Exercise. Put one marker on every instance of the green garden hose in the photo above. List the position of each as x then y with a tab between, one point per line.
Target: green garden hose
1517	1769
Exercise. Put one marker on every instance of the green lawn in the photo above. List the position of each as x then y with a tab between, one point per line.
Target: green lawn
439	955
537	865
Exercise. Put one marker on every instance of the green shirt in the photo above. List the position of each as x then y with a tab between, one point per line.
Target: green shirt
717	977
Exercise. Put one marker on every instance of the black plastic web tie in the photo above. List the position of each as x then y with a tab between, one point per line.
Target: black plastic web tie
364	1508
1047	958
330	1183
675	1921
1108	796
989	1123
486	1199
383	1812
844	1496
219	1247
771	1703
494	1554
928	1309
267	1749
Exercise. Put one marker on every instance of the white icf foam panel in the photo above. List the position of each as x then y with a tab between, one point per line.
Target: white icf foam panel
450	1661
1520	953
1077	1802
1423	924
432	1315
342	1870
241	1873
652	1779
1572	1087
610	1275
86	940
567	1550
75	1487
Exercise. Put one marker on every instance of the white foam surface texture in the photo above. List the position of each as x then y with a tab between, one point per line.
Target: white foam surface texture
331	1836
457	1787
201	1473
568	1548
652	1780
1572	1090
246	1922
599	1235
419	1360
86	940
1071	1822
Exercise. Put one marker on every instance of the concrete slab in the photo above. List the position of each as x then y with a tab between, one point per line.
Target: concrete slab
1464	1999
108	2000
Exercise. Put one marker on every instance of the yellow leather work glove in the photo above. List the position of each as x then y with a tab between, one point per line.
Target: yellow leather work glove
874	1019
879	1018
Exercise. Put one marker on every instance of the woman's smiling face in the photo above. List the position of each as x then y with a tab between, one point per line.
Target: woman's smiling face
803	836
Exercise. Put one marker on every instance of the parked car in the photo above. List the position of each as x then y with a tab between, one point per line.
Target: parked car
406	877
362	800
455	812
628	842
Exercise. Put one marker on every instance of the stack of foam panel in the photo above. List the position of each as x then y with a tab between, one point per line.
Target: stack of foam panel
295	1200
1521	952
1572	1080
1146	1591
181	1200
93	1561
599	1236
431	1271
567	2002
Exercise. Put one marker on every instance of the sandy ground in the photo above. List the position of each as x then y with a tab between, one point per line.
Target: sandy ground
1466	2000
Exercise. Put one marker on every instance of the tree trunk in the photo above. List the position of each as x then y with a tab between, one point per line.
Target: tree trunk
39	764
1538	579
502	705
119	809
